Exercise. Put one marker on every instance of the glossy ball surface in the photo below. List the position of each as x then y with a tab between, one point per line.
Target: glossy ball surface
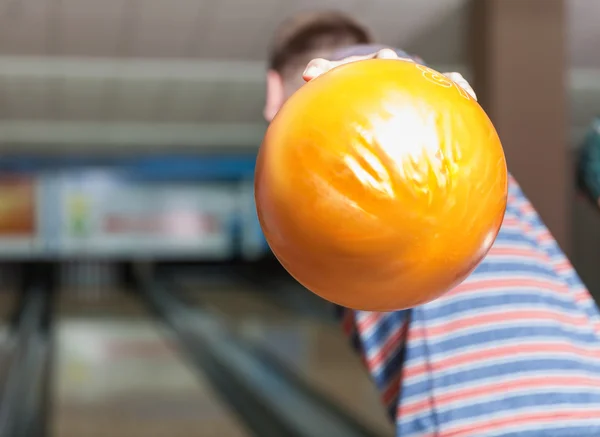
381	185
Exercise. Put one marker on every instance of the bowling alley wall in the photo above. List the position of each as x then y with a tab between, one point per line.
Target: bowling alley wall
130	128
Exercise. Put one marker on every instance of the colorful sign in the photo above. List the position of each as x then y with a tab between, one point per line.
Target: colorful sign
101	214
18	215
17	207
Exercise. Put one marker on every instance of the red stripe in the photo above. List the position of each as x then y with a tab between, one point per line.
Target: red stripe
545	236
582	296
525	252
526	208
390	394
366	322
521	419
564	266
486	319
498	352
510	221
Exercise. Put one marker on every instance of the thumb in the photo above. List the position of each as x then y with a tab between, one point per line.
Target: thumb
462	82
315	68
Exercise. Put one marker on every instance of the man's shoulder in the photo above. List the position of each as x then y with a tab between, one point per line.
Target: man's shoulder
524	267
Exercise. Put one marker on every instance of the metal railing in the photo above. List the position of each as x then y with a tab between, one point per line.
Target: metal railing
24	389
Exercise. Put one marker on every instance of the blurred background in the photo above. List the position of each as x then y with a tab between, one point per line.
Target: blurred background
137	294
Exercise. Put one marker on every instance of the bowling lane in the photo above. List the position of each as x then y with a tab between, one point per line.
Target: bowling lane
316	351
117	373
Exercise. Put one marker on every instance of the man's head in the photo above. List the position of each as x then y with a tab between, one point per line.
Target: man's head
300	39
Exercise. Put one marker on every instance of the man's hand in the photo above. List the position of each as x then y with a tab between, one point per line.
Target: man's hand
316	67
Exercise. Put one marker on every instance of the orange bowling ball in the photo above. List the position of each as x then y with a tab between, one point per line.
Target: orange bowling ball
381	185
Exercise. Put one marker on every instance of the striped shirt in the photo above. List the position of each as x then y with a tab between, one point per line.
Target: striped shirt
513	351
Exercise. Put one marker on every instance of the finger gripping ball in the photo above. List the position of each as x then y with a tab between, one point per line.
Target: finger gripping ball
381	185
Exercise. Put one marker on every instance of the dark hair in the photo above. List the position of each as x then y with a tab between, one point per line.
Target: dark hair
313	34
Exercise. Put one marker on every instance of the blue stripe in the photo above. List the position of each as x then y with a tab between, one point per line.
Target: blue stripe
487	373
525	297
565	430
387	326
516	402
536	264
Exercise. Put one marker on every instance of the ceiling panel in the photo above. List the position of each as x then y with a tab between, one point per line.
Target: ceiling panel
166	28
238	103
214	103
242	29
134	100
90	27
82	99
54	98
24	98
237	34
23	26
222	29
182	98
209	87
193	102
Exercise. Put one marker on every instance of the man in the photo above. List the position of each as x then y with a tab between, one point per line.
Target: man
514	350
